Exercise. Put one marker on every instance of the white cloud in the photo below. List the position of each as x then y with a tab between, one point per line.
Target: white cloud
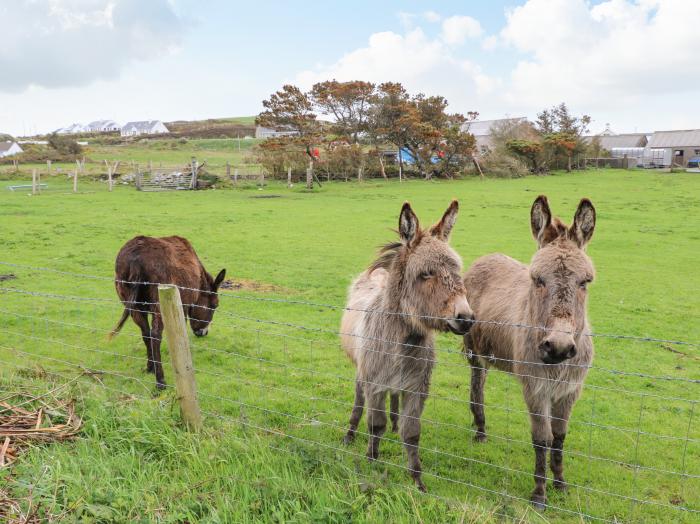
58	43
432	16
489	43
457	29
605	55
421	63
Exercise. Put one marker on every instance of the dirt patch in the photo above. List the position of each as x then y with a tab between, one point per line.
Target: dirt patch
243	284
8	276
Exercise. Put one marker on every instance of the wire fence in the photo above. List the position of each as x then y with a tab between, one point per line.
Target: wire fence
273	366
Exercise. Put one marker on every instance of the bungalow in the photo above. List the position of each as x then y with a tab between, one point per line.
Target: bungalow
71	129
9	148
103	126
268	132
144	127
676	147
483	130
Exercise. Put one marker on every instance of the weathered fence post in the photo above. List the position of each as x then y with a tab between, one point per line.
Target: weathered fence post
48	167
235	177
289	176
75	180
33	181
228	170
175	329
310	175
262	177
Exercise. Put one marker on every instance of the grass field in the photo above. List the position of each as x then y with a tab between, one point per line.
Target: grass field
277	398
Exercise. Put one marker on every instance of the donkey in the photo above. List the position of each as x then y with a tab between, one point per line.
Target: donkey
550	361
165	260
413	289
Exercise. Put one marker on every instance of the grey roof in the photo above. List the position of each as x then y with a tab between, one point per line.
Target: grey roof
685	138
483	127
5	146
102	123
626	140
143	125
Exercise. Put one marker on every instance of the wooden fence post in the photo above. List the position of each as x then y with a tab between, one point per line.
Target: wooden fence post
289	177
75	180
33	181
309	175
48	167
235	177
175	329
228	170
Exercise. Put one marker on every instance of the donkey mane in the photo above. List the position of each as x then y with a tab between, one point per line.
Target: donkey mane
388	253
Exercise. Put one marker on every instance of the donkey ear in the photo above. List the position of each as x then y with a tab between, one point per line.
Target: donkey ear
540	219
581	230
219	279
408	224
443	228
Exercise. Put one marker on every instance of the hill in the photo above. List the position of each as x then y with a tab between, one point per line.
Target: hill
213	128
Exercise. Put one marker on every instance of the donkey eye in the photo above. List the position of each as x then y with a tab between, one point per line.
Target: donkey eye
425	275
583	284
539	282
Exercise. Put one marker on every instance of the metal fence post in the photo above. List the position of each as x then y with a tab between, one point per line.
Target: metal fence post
175	329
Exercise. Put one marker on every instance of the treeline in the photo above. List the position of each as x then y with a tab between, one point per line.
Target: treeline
354	129
361	120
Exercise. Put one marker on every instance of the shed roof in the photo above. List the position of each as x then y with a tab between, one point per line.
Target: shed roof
626	140
483	127
5	146
683	138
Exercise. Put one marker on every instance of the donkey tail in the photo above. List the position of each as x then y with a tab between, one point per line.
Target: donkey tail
120	324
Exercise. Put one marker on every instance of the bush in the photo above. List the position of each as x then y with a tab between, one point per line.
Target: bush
504	166
64	144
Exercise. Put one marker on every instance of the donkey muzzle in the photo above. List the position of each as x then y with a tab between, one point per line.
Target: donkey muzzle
557	349
202	332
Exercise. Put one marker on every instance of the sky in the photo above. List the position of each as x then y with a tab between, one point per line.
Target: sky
630	63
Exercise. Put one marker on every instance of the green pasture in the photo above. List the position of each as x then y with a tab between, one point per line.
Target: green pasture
277	390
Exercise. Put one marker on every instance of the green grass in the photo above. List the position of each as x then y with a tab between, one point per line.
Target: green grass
133	461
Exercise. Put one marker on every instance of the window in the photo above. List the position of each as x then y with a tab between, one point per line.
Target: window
678	152
697	151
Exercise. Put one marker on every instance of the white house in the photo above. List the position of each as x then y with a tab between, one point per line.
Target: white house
103	126
144	127
268	132
71	129
9	148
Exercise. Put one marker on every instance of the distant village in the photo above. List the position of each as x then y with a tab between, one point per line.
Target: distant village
657	149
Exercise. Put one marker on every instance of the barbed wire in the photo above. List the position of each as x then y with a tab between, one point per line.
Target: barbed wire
345	308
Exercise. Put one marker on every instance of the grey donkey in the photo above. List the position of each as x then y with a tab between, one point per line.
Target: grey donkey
552	361
394	308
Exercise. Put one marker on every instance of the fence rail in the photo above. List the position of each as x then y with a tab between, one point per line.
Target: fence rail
287	379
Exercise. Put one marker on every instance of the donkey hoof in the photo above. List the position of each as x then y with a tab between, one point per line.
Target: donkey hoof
160	386
561	485
480	437
539	502
421	487
372	455
348	439
394	428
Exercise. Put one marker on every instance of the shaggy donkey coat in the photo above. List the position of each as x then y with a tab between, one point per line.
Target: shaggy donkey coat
394	307
166	260
551	362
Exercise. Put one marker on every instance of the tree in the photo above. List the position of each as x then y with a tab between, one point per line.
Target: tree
562	132
64	144
349	103
526	149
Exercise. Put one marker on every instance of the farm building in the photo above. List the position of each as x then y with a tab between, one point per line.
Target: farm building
677	147
9	148
631	145
483	130
144	127
102	126
268	132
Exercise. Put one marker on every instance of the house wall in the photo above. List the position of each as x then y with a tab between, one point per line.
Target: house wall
688	153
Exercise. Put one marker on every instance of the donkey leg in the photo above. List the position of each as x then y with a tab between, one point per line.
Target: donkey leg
141	320
356	414
476	400
376	421
394	411
561	411
411	411
156	335
541	431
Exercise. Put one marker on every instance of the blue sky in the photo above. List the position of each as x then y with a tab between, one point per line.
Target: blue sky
632	63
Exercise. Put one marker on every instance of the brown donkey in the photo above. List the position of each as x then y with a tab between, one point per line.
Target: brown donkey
394	307
551	361
165	260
